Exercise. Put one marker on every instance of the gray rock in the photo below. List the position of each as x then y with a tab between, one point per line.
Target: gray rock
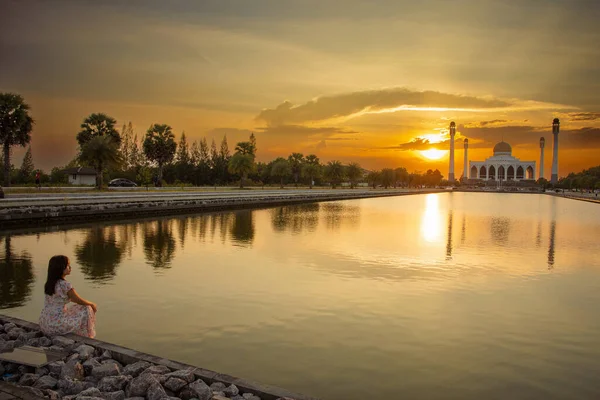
186	393
8	326
15	333
112	383
237	397
85	351
63	342
3	337
156	392
218	386
135	398
105	355
186	375
11	368
55	367
118	395
92	379
231	391
2	370
41	371
57	348
111	361
200	389
12	378
105	370
175	384
89	365
158	370
52	395
136	368
71	387
88	398
29	335
91	392
35	342
28	379
7	345
45	342
250	396
72	369
46	382
218	393
138	387
74	356
25	369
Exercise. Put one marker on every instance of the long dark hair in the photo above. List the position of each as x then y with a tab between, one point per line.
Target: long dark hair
56	268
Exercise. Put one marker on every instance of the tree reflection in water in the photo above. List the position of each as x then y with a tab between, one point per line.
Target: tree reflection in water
242	228
298	218
16	276
159	244
99	255
338	214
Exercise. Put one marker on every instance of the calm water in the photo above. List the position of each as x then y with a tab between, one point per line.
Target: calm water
433	296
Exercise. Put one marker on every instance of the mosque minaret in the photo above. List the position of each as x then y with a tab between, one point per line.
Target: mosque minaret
555	130
466	160
452	133
542	145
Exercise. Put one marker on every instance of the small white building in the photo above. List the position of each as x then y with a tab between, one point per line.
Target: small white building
81	176
502	166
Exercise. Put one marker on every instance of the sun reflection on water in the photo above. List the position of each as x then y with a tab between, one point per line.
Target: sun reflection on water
431	223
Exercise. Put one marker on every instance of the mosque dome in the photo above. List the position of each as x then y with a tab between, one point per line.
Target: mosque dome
502	147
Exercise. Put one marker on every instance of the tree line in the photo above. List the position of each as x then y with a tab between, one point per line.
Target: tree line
157	158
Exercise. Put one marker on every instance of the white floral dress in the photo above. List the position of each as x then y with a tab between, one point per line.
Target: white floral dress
58	319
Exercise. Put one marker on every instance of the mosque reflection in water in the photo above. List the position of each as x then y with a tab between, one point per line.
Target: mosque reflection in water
104	247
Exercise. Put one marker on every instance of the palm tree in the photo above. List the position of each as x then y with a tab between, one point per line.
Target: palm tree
354	172
334	171
311	168
100	152
98	125
15	127
160	146
241	164
296	160
280	169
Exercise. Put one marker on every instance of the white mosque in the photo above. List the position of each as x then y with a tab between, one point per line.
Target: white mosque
502	166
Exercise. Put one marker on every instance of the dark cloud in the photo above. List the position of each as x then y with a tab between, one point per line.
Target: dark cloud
347	104
304	130
417	144
492	122
584	116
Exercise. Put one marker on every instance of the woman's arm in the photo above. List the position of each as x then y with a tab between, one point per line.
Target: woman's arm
74	297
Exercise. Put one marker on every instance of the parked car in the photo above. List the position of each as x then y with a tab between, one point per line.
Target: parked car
121	182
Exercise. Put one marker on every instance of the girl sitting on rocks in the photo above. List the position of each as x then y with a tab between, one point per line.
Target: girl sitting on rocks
56	317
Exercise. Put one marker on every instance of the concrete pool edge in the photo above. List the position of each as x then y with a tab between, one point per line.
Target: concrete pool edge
127	356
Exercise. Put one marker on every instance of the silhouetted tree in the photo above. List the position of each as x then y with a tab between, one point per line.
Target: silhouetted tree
15	127
100	152
160	146
280	169
334	171
27	167
354	172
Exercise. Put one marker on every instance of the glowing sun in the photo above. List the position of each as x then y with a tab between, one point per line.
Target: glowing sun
433	154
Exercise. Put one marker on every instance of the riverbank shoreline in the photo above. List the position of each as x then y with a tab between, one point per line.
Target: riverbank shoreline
21	213
162	369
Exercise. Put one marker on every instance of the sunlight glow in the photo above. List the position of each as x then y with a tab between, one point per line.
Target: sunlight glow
433	154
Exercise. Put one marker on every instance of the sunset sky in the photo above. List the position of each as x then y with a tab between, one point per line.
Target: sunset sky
375	82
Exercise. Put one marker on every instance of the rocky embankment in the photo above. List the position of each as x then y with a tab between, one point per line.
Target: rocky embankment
91	373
